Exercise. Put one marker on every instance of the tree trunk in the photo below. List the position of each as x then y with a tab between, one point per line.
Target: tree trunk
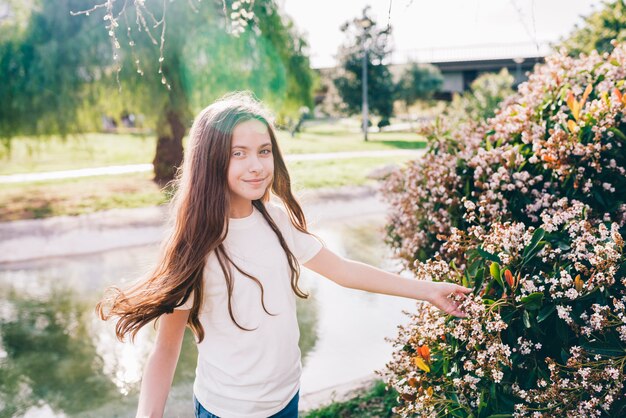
169	149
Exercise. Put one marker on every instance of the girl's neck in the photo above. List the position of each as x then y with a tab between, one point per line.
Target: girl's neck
241	209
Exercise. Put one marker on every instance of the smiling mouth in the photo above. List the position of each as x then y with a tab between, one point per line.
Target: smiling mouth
256	181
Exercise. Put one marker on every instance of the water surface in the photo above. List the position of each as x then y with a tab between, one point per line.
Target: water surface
58	360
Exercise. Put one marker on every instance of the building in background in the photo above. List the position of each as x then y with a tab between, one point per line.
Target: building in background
460	66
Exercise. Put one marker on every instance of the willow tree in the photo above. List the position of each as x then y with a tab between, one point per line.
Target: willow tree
176	59
47	64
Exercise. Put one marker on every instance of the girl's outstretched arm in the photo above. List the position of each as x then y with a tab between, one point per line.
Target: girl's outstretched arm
159	370
355	275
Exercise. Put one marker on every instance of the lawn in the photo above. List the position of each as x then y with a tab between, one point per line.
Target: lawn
77	196
30	155
90	194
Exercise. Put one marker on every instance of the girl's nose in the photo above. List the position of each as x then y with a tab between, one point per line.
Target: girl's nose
255	165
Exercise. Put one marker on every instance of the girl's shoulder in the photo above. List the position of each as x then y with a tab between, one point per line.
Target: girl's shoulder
276	211
279	214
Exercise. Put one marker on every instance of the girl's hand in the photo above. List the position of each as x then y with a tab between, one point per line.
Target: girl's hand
441	295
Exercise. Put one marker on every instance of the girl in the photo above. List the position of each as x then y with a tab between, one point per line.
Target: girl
230	268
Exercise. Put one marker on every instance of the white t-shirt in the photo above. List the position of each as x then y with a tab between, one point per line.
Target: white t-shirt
251	374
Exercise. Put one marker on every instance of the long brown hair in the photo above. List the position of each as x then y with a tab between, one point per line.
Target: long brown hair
200	210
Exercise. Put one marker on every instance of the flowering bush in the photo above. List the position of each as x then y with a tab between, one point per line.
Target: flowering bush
529	209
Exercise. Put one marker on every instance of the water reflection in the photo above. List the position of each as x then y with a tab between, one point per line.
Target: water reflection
57	359
50	357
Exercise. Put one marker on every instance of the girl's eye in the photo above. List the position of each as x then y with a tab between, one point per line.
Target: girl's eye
266	151
238	154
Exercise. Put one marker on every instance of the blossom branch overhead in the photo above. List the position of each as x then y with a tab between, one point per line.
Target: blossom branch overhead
238	15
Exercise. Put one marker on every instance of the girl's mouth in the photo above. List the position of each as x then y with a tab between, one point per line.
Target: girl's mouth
255	182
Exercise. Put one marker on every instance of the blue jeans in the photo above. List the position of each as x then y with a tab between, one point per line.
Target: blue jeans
289	411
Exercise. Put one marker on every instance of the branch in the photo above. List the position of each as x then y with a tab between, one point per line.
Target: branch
240	16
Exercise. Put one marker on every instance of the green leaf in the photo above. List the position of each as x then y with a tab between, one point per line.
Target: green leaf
600	347
564	246
534	252
618	133
599	198
488	256
481	403
473	267
533	246
533	301
457	412
494	269
526	319
478	282
492	390
562	330
530	377
500	416
464	281
545	312
436	367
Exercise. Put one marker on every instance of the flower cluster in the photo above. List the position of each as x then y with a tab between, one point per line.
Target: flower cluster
583	387
429	351
529	209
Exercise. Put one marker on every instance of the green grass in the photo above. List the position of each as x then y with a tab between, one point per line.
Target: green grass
78	196
375	402
31	155
336	173
90	194
315	142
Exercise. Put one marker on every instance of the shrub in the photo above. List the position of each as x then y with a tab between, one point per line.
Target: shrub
529	209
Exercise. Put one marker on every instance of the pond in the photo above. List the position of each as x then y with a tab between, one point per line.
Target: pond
58	360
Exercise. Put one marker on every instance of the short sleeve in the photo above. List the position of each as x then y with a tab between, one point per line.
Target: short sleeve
303	246
187	305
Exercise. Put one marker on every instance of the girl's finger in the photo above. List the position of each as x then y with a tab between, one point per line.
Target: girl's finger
457	312
456	294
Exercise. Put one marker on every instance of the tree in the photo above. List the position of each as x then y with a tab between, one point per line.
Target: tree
44	56
364	36
598	30
198	61
418	82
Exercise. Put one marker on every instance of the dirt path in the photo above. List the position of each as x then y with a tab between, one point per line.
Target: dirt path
60	236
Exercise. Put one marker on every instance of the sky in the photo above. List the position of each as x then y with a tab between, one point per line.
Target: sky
420	25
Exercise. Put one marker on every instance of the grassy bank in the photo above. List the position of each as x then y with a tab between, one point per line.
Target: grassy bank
373	402
90	194
31	155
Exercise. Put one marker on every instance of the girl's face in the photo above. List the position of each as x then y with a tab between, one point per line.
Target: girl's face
251	166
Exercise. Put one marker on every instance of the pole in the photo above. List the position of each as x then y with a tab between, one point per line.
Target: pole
364	78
